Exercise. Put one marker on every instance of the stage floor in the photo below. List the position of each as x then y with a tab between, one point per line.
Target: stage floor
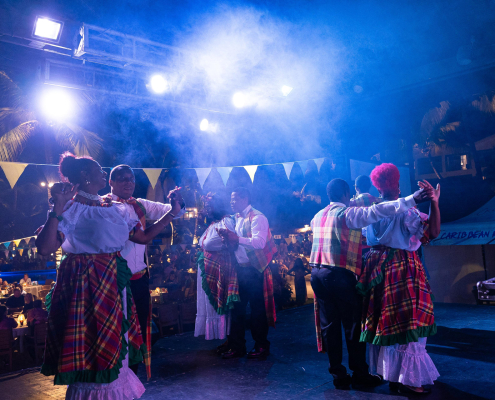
184	367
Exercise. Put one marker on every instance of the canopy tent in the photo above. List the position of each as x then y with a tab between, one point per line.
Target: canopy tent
477	228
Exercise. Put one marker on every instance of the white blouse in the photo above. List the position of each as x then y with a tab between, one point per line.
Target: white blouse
210	240
401	231
93	229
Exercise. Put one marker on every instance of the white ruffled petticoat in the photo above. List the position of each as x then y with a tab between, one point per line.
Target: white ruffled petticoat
208	322
408	364
126	387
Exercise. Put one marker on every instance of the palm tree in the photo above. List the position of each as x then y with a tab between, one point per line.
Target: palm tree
18	122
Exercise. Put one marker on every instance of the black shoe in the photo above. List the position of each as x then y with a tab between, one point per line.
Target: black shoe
394	387
366	380
231	353
223	348
405	390
259	354
343	383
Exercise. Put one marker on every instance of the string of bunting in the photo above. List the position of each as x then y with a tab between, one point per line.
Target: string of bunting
14	170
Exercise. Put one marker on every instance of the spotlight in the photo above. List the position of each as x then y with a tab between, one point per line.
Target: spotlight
158	84
57	105
239	100
50	184
43	184
204	124
47	29
286	90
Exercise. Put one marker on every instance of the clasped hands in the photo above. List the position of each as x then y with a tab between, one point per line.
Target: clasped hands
229	238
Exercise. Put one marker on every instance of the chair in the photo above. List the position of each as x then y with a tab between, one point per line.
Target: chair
187	313
6	341
168	315
48	282
42	295
46	287
39	339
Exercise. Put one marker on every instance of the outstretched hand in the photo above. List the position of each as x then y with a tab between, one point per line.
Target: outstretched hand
62	192
434	194
176	200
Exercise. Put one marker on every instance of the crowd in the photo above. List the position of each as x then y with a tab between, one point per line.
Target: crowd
29	260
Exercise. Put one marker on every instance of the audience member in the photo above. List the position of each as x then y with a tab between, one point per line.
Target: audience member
26	280
16	300
36	314
6	322
28	303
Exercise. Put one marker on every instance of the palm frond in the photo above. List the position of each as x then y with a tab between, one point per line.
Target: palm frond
10	94
13	142
11	117
82	141
484	104
433	117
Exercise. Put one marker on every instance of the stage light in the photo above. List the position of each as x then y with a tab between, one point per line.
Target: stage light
158	84
48	29
57	105
43	184
286	90
204	124
50	184
239	100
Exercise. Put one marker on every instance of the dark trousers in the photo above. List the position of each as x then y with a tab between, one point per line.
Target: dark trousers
140	289
250	290
340	305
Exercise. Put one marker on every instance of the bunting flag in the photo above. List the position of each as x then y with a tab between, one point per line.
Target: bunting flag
288	240
16	242
288	168
303	165
183	246
202	174
153	174
319	163
251	170
20	251
6	244
162	247
13	171
224	173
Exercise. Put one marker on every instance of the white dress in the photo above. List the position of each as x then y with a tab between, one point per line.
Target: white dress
208	322
408	364
99	230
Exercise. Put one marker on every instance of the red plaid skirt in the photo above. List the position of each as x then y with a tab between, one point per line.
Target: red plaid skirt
398	306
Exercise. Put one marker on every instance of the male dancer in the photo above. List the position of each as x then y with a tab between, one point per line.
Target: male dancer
122	182
255	251
336	261
363	198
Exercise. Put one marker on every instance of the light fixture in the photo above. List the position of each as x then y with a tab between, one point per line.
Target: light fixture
43	184
204	124
47	29
286	90
57	105
50	184
158	84
239	100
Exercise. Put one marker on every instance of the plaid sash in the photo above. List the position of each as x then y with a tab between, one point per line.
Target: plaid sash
271	314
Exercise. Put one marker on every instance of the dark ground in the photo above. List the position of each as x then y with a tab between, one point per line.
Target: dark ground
184	367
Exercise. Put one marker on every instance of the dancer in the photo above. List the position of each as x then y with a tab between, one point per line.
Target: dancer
256	249
398	307
123	183
336	258
93	333
217	284
363	198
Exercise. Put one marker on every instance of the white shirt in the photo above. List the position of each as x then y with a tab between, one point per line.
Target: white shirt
134	252
210	240
22	281
259	233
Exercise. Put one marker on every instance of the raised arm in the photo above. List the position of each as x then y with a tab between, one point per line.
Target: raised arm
48	241
155	210
434	219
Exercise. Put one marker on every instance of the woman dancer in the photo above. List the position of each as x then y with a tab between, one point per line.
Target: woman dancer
92	326
217	282
398	308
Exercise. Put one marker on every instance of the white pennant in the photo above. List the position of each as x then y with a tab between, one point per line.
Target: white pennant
202	175
303	165
153	174
224	173
251	170
13	171
319	163
288	168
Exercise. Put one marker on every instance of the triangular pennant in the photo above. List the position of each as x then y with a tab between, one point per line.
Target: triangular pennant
21	251
17	241
303	165
251	170
224	173
202	175
13	171
7	244
162	247
288	168
319	163
288	240
153	174
183	246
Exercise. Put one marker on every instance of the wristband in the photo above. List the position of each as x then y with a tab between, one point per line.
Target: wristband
53	214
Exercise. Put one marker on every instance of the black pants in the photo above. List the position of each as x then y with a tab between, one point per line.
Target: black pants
340	305
140	289
250	290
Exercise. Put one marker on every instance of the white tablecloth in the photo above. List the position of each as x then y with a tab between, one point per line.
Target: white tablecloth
32	289
19	332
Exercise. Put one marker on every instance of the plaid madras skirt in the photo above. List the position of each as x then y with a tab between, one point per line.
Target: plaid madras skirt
398	306
86	326
219	279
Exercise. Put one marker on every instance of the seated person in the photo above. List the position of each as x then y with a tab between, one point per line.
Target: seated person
6	322
28	303
4	284
37	315
172	283
26	280
16	300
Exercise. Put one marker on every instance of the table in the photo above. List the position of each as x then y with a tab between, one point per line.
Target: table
20	332
34	290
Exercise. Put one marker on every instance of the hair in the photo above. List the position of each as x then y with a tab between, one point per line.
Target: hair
28	295
337	188
16	288
243	193
385	178
71	167
37	304
3	311
218	204
120	170
363	183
